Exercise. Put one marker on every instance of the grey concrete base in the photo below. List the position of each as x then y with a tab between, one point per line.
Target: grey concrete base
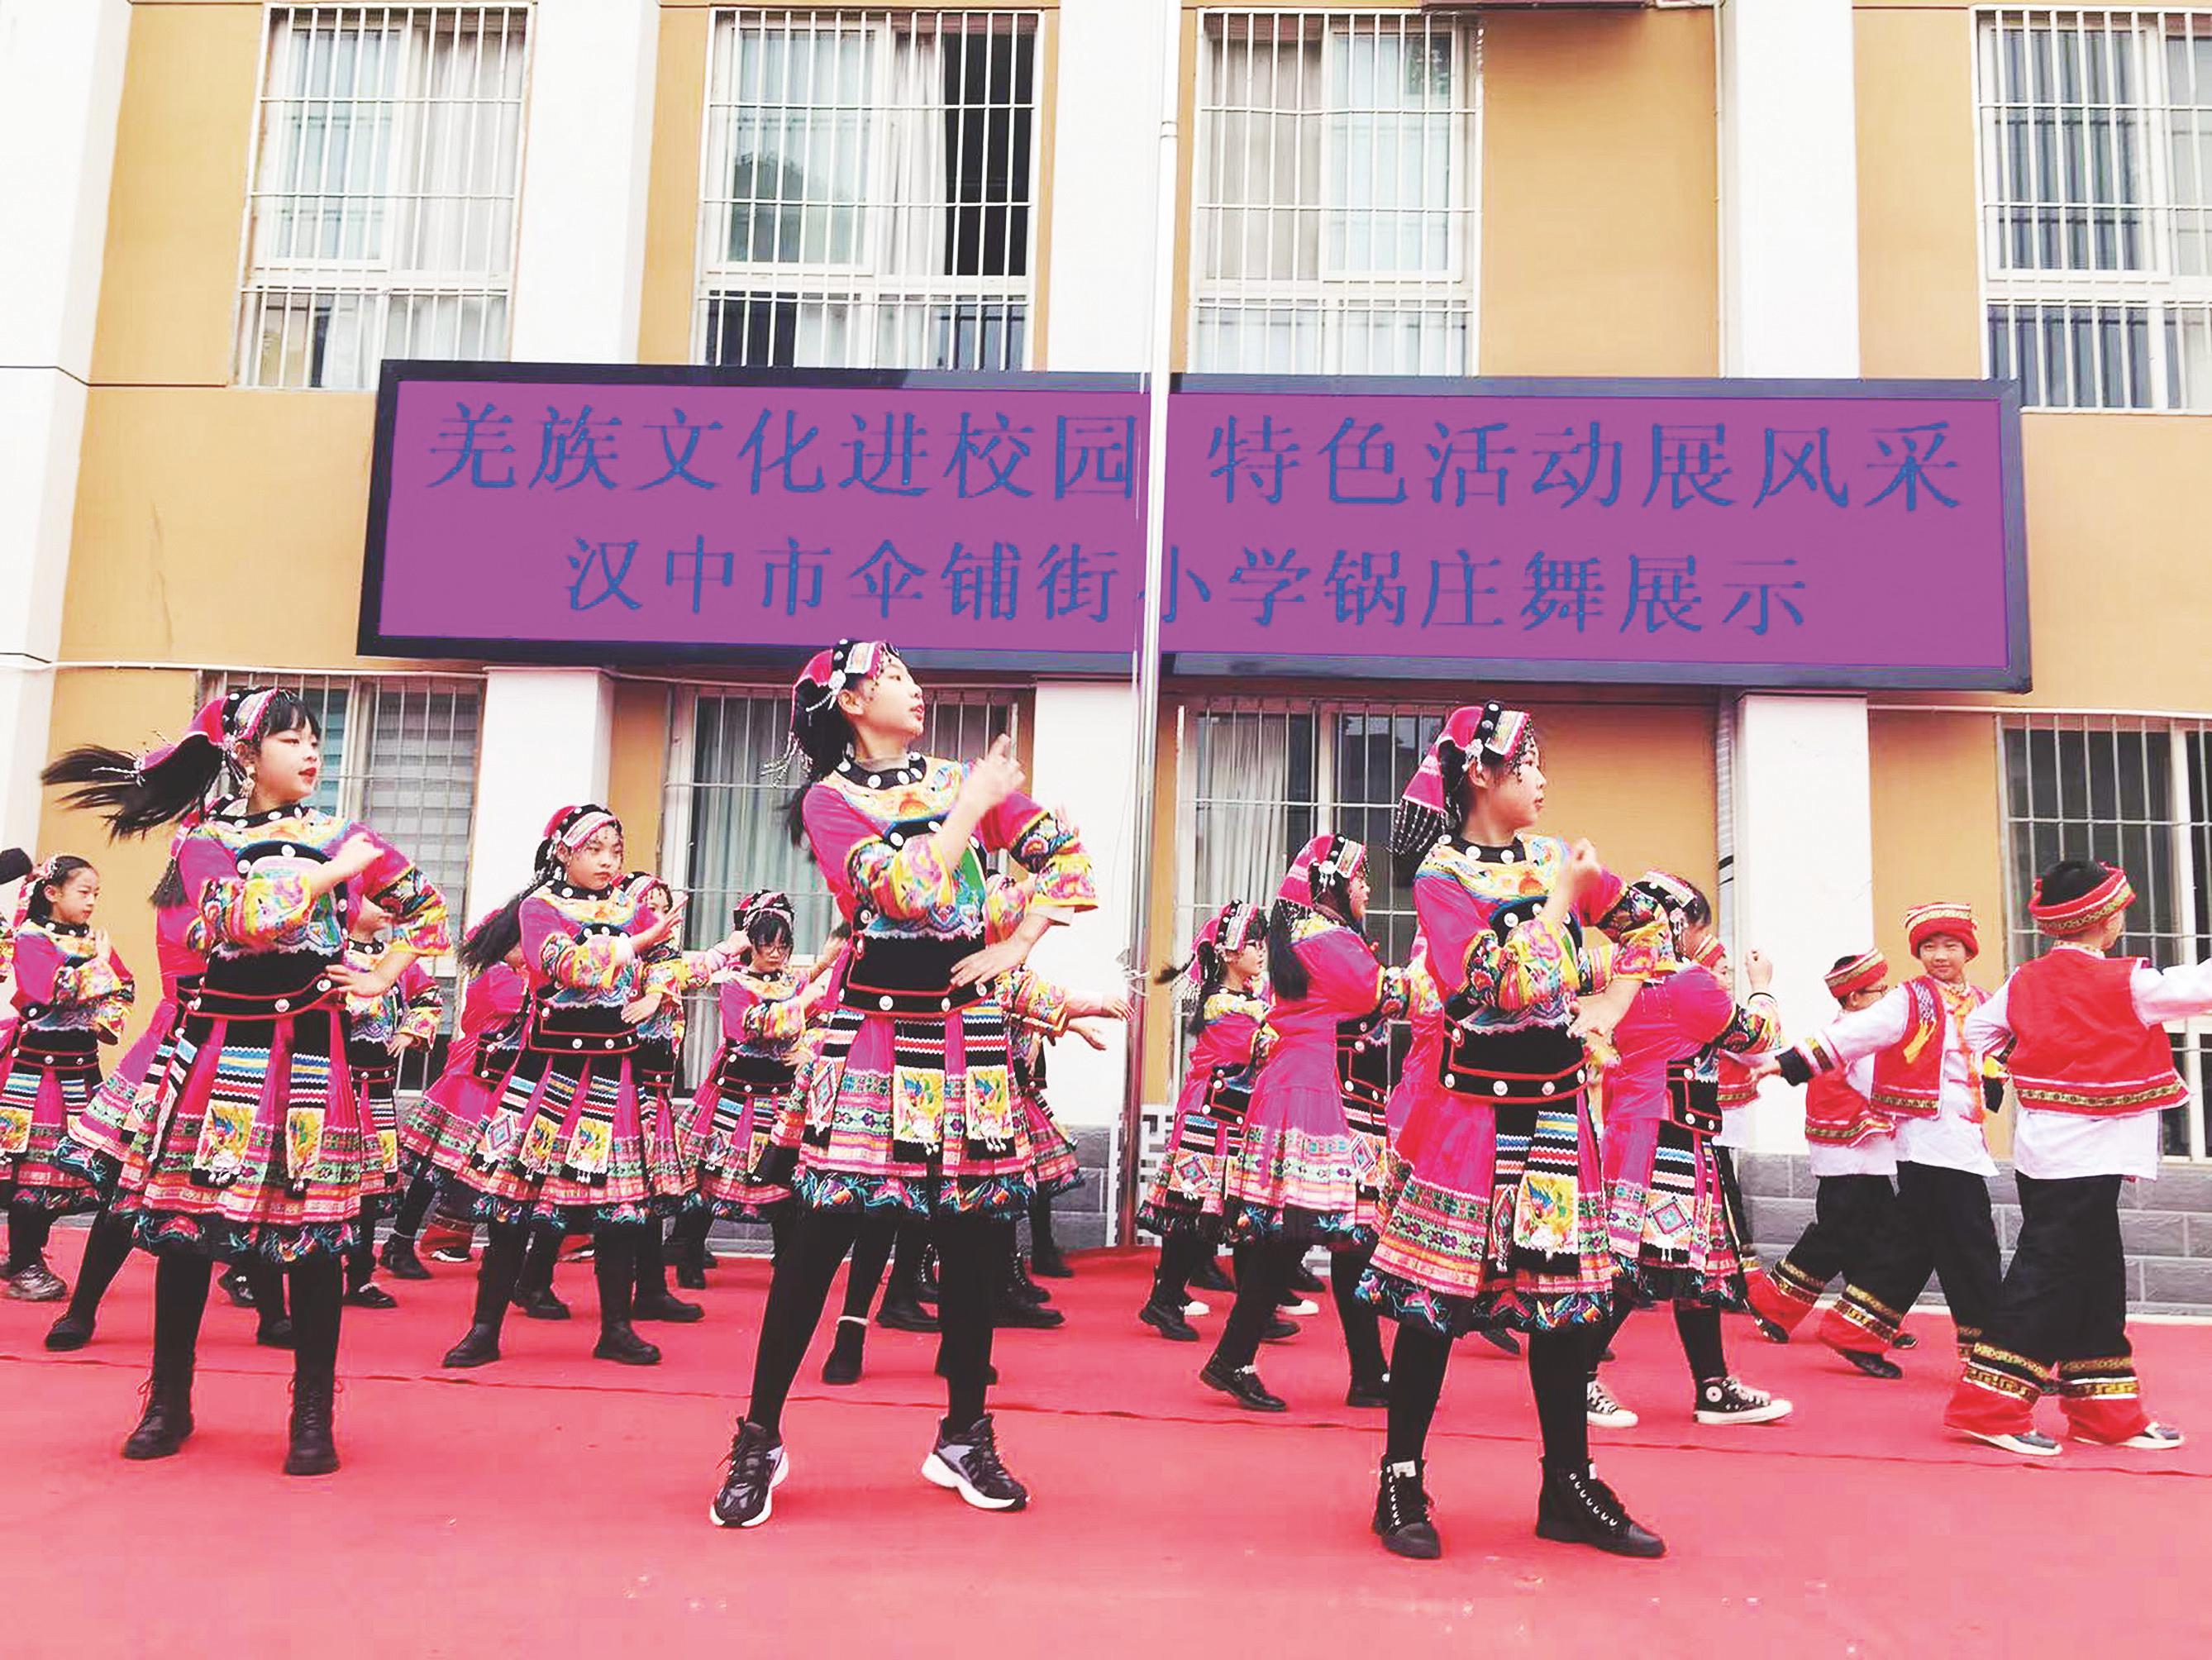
2167	1225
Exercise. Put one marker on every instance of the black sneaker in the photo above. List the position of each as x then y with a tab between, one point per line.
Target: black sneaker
370	1297
1500	1338
1401	1513
73	1331
1873	1365
1277	1330
1303	1279
1241	1384
966	1463
1168	1320
540	1303
905	1314
1210	1277
1010	1313
621	1344
1724	1401
479	1346
666	1306
236	1288
755	1469
273	1333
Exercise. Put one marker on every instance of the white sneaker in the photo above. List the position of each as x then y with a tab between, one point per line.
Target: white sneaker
1300	1309
1604	1412
1192	1308
2033	1442
2157	1437
1728	1402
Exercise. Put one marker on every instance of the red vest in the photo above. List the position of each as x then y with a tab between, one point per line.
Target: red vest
1837	1116
2078	1044
1738	1087
1908	1077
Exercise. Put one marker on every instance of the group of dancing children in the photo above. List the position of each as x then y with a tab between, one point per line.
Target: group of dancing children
1546	1156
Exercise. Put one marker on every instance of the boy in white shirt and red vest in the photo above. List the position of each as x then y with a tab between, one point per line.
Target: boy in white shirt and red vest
2092	1070
1858	1231
1935	1090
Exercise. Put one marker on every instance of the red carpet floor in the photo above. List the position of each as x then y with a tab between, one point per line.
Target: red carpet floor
554	1505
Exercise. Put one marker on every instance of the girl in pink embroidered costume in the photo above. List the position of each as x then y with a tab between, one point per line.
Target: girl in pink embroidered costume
1672	1228
571	1145
1298	1176
1495	1210
442	1127
908	1106
72	994
1184	1205
257	1143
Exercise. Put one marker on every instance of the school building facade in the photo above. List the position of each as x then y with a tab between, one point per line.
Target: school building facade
229	213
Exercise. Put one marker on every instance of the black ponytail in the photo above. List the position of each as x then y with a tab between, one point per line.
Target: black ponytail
822	736
37	906
768	927
1292	981
137	794
1212	975
491	940
169	892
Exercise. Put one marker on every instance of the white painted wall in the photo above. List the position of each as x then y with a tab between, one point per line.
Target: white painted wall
1789	188
61	85
1105	200
547	739
580	252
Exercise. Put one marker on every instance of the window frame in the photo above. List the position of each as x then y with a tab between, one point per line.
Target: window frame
868	289
372	284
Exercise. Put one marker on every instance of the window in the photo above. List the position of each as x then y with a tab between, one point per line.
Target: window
868	193
380	220
723	831
2096	202
1255	782
1335	187
2135	793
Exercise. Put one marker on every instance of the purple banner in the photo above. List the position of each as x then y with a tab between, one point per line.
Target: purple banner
1723	533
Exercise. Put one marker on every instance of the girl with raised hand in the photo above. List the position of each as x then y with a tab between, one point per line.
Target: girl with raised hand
258	1144
909	1105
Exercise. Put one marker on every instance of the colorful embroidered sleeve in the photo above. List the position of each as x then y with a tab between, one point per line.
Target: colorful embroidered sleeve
1642	944
1035	1000
425	1005
418	909
253	910
569	956
1045	848
908	882
1756	1028
38	968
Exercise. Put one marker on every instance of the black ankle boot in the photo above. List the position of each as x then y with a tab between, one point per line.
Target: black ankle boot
620	1342
661	1303
540	1303
903	1311
1209	1277
312	1451
1401	1512
167	1423
479	1346
273	1333
843	1365
1241	1384
1168	1319
925	1276
1046	1258
1012	1311
72	1331
1369	1391
1576	1508
399	1260
1021	1285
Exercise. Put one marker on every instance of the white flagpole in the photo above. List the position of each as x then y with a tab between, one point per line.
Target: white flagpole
1148	650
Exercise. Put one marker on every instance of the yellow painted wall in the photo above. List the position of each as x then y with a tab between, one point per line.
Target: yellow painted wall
636	768
1600	191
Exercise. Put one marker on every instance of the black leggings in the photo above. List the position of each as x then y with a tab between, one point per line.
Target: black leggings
968	1255
872	1249
106	1247
414	1205
687	1236
1418	1361
1182	1254
30	1224
360	1255
180	1296
1263	1274
1363	1327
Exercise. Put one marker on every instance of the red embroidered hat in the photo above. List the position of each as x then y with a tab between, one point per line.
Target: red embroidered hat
1857	974
569	828
1924	922
2066	909
1325	856
1500	737
1228	931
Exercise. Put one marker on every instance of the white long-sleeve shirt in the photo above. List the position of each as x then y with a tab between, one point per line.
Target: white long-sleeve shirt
1877	1156
2055	1146
1952	1139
